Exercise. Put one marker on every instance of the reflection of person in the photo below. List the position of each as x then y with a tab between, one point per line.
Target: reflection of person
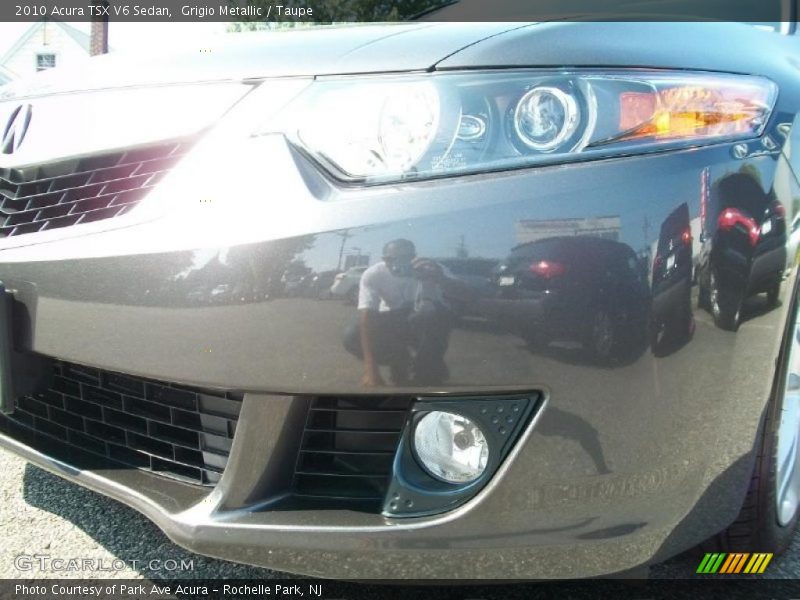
404	321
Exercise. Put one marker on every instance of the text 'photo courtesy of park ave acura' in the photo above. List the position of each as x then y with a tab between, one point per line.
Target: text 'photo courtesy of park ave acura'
426	299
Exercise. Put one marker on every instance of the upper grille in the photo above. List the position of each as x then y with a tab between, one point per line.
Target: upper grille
348	448
173	430
82	190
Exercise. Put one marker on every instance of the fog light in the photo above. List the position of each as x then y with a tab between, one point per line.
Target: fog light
545	118
451	447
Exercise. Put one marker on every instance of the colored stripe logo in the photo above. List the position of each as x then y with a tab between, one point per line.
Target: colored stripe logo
734	563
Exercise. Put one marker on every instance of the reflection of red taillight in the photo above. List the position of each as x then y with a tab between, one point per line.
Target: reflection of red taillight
686	237
547	269
731	217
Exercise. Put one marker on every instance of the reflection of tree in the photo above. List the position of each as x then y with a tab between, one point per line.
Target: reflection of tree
297	268
752	172
194	262
141	280
170	278
331	11
258	268
151	280
743	188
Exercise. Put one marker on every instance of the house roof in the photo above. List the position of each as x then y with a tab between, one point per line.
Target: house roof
6	75
78	36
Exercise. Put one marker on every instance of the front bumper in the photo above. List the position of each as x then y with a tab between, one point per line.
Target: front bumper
626	465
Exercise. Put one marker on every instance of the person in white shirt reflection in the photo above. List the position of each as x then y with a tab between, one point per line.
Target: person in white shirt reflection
404	320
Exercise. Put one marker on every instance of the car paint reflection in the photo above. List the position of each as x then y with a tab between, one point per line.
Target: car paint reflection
744	248
672	321
581	288
277	292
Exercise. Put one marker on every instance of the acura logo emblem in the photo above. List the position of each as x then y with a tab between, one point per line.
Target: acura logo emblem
16	128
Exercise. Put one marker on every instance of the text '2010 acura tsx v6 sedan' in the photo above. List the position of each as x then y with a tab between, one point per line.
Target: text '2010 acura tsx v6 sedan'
570	348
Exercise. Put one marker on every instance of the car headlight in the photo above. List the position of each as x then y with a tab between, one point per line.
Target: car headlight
389	128
374	129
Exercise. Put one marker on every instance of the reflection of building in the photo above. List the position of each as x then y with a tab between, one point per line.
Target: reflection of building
45	45
602	227
356	260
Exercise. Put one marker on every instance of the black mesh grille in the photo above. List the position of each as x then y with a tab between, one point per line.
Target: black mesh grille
177	431
82	190
348	447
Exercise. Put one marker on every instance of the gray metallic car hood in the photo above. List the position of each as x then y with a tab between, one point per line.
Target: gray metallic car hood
315	51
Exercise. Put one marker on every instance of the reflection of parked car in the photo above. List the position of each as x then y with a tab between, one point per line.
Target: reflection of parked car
478	275
583	288
293	284
672	279
319	285
345	285
745	254
219	293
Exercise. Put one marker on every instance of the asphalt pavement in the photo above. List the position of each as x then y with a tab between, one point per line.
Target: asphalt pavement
44	518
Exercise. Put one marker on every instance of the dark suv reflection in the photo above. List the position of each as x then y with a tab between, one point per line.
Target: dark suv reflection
745	253
672	281
584	289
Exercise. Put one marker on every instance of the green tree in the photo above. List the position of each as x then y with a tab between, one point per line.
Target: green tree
241	26
334	11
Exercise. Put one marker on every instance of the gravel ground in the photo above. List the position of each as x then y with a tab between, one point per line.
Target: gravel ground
44	514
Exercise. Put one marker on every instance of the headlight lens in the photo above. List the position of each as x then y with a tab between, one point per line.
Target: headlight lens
451	447
376	130
391	128
545	117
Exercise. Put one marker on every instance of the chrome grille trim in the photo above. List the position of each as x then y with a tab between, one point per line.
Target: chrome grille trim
82	190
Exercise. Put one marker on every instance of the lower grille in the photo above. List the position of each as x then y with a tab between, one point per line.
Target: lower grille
348	448
82	190
176	431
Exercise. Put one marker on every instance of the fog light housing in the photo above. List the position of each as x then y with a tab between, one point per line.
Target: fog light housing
451	447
